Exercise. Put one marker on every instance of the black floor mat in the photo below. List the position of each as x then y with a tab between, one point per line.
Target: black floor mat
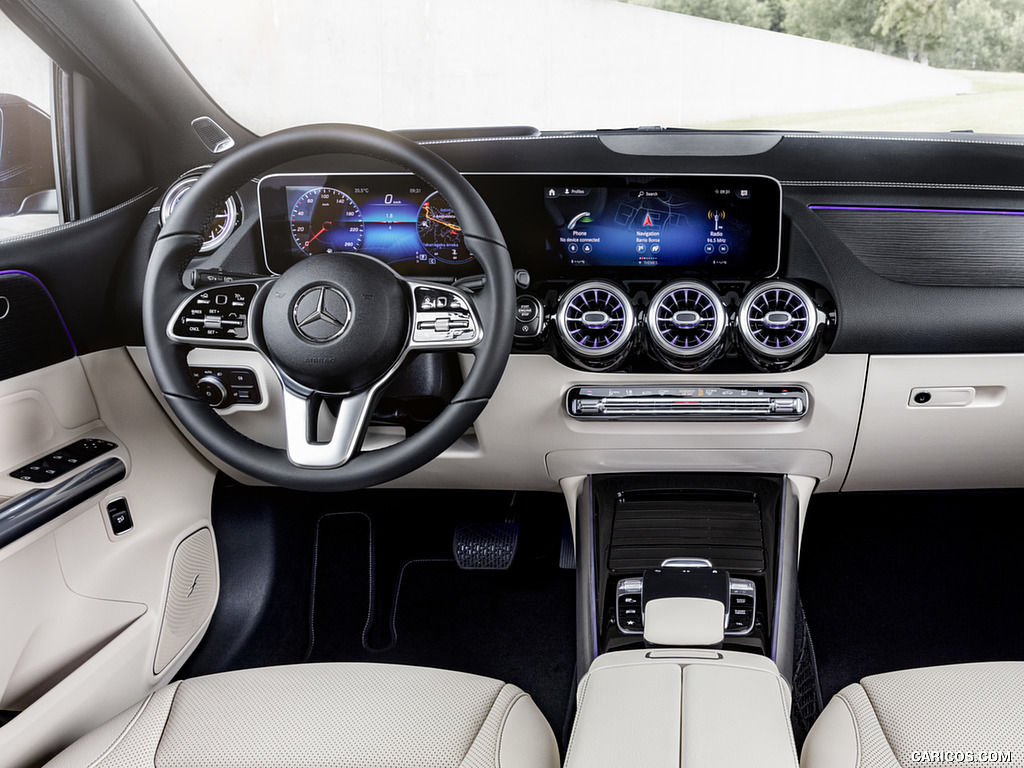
516	625
895	581
314	577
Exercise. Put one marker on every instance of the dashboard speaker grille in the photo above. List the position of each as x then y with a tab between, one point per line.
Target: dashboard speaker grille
214	138
686	319
595	319
778	319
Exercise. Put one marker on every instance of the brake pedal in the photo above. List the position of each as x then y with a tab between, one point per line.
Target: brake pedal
485	546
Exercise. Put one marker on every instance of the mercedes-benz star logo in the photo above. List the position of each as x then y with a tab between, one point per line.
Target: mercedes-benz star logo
321	314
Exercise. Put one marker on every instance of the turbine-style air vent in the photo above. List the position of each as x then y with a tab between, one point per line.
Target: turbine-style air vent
778	319
595	319
686	319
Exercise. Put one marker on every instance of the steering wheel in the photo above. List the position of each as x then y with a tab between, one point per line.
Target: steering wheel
334	327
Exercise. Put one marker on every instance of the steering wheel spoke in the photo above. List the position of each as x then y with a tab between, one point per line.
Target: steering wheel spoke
325	431
442	318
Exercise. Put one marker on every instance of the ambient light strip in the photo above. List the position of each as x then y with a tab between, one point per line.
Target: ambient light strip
880	209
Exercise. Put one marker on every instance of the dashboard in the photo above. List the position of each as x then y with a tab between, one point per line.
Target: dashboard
895	260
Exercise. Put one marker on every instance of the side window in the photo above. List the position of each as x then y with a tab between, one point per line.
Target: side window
28	198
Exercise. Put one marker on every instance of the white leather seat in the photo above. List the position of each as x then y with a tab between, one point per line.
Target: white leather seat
308	716
960	714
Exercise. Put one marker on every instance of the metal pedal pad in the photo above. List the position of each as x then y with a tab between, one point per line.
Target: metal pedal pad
485	546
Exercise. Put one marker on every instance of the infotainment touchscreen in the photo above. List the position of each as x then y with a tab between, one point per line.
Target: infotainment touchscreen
709	225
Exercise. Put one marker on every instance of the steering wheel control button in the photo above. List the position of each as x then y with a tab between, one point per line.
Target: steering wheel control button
442	316
61	462
120	516
529	317
224	387
217	313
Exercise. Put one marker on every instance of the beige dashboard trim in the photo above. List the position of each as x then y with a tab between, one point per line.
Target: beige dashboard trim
524	439
967	435
817	464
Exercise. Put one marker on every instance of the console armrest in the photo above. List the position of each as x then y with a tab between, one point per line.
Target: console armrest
695	709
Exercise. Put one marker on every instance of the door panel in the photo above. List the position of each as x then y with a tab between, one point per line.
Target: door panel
79	639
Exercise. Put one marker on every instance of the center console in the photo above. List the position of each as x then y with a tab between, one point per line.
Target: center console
686	595
631	527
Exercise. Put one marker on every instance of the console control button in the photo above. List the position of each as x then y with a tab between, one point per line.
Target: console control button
741	615
742	606
529	317
526	309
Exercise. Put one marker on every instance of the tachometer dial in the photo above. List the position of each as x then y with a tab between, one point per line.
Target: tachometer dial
440	232
326	220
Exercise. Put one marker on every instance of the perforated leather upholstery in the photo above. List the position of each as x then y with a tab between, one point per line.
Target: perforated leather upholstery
958	714
325	716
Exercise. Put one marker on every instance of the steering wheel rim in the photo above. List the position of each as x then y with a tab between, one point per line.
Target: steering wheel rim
181	238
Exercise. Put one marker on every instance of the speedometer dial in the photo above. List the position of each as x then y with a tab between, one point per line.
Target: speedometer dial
440	232
326	220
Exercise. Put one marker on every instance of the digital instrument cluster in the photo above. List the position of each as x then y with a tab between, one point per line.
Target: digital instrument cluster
397	219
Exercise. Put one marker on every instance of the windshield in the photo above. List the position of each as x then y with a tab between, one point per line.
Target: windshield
898	65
